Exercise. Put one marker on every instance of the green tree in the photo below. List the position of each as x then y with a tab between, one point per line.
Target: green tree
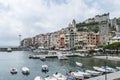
91	52
114	46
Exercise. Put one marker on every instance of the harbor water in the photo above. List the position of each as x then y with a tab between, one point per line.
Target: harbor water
19	59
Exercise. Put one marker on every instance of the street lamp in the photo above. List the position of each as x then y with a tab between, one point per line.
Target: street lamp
106	63
106	66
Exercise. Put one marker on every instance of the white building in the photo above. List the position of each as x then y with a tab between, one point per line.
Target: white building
115	38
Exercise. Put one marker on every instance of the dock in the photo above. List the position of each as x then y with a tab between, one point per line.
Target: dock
54	55
7	49
110	76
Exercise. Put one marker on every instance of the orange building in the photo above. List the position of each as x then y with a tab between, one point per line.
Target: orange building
93	40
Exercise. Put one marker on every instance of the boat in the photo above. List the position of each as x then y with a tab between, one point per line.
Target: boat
9	49
40	51
59	76
43	51
50	78
110	69
44	68
77	75
61	56
93	73
100	69
25	70
13	71
38	78
70	78
118	68
79	64
43	58
85	74
30	56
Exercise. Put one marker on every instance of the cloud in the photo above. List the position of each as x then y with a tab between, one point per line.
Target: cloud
32	17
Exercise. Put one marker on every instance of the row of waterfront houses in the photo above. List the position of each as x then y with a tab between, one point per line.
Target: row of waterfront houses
71	38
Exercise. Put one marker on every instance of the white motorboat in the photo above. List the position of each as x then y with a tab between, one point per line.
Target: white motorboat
43	58
43	51
13	71
61	56
79	64
77	75
25	70
38	78
85	74
50	78
118	68
94	73
30	56
9	49
100	69
109	69
45	68
59	76
40	50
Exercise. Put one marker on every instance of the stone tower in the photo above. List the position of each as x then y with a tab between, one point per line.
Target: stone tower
104	32
104	28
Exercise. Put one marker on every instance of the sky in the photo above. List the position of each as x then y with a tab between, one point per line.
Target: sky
31	17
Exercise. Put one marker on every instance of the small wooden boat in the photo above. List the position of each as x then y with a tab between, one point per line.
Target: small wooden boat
13	71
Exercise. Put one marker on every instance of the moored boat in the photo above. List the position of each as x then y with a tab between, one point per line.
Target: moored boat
100	69
85	74
25	70
43	58
77	75
50	78
79	64
38	78
110	69
30	56
45	68
70	78
13	71
118	68
9	49
61	56
59	76
94	73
